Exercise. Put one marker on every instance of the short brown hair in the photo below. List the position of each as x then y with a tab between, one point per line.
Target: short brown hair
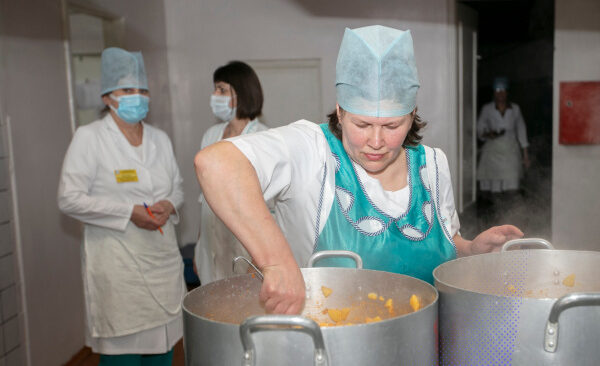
413	138
246	85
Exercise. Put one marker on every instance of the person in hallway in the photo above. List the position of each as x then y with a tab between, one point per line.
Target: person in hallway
504	154
237	102
120	178
361	182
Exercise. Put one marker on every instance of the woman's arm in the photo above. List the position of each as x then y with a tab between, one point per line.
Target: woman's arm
488	241
232	189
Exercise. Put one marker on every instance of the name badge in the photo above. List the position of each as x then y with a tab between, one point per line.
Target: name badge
124	176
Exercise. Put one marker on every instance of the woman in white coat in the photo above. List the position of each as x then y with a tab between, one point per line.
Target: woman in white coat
237	102
504	153
120	178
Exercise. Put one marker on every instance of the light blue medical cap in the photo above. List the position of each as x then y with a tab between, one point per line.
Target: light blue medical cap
122	69
500	83
376	73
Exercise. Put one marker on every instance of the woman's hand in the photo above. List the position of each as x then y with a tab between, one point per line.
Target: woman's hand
492	239
142	219
283	290
162	210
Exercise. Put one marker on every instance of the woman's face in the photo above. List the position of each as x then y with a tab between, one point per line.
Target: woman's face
125	91
500	96
226	90
374	142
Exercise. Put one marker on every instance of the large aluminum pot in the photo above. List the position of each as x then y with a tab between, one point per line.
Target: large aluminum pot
213	313
524	307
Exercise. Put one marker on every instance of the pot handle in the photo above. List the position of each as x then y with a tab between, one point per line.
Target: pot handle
537	241
564	303
335	253
294	322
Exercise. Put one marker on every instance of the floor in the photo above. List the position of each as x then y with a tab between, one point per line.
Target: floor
87	358
529	208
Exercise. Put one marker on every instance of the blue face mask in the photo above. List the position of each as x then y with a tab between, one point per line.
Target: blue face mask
132	108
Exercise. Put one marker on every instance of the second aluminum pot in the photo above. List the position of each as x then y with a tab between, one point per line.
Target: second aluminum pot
213	313
524	307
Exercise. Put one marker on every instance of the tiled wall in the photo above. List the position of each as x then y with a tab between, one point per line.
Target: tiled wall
11	352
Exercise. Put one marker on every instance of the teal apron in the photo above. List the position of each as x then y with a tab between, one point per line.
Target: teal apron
413	243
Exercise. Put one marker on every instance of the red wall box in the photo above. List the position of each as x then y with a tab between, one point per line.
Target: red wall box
579	113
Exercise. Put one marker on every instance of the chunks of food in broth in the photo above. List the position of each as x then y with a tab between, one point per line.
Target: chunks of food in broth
338	315
569	281
414	302
326	291
370	308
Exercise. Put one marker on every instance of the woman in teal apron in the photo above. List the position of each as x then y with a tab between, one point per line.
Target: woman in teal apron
362	182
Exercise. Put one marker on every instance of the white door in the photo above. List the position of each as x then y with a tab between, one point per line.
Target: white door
467	105
90	30
292	90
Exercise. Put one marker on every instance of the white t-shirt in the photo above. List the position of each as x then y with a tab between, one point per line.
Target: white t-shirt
296	170
215	133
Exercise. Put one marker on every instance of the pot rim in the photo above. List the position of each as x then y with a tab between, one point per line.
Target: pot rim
457	262
431	287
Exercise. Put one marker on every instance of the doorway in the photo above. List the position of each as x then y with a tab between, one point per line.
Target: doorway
88	31
515	39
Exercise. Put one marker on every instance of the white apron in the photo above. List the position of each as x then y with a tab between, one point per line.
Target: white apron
133	280
217	246
500	159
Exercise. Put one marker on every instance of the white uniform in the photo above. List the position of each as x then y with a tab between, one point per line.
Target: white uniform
500	166
296	170
217	246
133	278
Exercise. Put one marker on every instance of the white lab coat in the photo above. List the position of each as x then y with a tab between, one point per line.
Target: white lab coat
133	278
296	171
217	246
500	166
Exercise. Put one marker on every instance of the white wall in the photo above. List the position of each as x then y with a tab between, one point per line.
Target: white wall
34	95
203	35
576	169
145	31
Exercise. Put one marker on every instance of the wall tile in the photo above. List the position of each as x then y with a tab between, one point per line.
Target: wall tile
9	301
7	271
15	358
11	334
4	181
6	244
5	207
1	340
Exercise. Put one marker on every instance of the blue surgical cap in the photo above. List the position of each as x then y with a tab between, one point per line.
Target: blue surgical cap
122	69
376	73
500	83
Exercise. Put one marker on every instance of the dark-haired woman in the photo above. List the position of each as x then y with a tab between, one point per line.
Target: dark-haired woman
237	101
362	182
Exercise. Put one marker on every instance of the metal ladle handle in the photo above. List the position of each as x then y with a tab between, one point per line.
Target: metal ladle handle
294	323
560	305
531	241
236	259
335	253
